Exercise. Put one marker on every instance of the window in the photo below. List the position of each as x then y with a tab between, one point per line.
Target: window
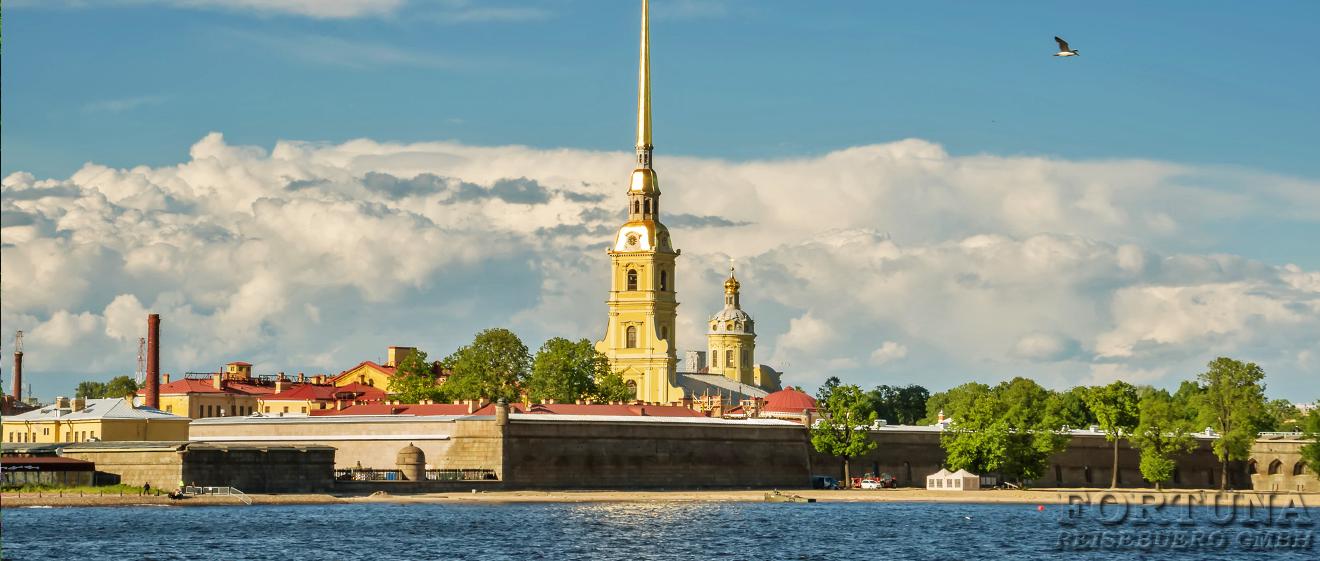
209	410
286	409
11	436
93	434
664	332
648	206
957	483
45	431
169	408
728	358
664	277
1299	468
371	383
747	359
1251	467
268	409
632	279
636	207
630	341
1274	467
68	436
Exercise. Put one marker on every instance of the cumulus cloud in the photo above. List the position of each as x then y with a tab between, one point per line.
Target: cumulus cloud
313	257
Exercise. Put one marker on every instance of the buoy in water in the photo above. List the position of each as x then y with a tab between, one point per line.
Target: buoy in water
1040	507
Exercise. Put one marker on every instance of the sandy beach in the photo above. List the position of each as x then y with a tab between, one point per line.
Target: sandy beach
1032	497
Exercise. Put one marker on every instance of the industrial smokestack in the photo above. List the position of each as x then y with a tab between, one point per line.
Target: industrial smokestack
18	366
18	375
152	398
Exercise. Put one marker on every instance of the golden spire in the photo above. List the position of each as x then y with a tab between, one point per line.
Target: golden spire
644	85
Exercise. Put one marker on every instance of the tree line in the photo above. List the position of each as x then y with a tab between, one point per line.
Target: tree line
1014	427
498	365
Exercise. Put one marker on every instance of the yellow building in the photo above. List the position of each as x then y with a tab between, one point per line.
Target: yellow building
375	375
79	420
231	393
643	309
732	338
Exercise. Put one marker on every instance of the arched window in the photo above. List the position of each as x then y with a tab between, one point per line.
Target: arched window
1299	468
636	207
664	281
647	205
632	279
1251	467
747	359
630	341
664	332
728	358
1275	466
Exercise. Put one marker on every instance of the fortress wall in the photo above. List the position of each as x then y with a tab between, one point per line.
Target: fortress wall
606	455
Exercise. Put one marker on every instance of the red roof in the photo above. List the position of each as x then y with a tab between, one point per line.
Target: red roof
187	386
789	400
45	463
238	364
328	393
555	409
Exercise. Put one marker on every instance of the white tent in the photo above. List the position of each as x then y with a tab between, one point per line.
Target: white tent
945	480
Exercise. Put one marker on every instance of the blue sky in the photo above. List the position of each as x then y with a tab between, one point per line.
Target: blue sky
1219	88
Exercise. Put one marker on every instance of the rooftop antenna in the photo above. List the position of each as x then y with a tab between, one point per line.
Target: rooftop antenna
141	375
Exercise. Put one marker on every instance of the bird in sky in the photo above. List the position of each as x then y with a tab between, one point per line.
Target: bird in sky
1063	48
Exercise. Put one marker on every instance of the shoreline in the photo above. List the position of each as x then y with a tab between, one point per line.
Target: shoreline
1038	497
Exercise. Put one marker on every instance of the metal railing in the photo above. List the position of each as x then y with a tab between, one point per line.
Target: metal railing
371	474
231	491
461	474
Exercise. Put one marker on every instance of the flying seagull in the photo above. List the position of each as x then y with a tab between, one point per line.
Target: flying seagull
1063	48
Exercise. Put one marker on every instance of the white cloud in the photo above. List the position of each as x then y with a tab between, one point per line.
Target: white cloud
887	352
313	257
320	9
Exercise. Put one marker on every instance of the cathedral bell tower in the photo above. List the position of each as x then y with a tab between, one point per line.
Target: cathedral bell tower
642	305
732	339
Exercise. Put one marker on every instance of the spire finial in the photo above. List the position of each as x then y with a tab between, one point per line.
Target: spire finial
644	85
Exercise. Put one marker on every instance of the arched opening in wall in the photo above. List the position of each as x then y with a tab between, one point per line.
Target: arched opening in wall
632	279
664	281
1058	474
630	339
1251	468
637	207
1275	467
1088	475
907	472
1209	477
1299	468
1177	476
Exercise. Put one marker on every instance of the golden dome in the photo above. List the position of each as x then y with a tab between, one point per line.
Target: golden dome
731	285
644	181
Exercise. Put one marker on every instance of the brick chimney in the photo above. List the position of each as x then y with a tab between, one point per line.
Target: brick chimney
18	376
77	404
282	383
164	379
218	380
152	399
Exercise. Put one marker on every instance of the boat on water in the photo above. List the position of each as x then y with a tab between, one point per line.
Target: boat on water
777	497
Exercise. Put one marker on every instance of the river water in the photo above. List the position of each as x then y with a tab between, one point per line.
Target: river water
624	531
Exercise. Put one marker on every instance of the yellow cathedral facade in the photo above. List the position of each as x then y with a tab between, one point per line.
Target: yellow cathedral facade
643	305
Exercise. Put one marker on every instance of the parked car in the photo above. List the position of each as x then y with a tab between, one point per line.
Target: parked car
870	483
824	482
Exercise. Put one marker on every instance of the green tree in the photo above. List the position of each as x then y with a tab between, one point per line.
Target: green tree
1070	408
1185	400
1311	431
899	405
566	371
1162	433
90	390
414	380
1116	411
823	393
957	399
495	365
1006	430
1233	398
611	387
121	386
844	431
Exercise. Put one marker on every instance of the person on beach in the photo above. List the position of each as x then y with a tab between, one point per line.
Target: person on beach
146	488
